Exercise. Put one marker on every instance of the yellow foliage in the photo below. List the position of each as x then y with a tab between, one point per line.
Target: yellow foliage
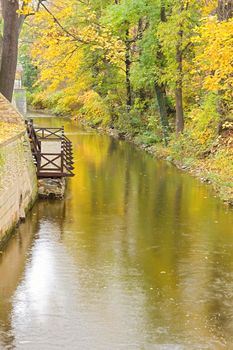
60	54
94	109
208	7
58	51
26	8
214	55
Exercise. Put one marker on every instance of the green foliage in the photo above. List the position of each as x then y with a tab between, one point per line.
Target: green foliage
201	130
148	139
30	72
182	20
120	16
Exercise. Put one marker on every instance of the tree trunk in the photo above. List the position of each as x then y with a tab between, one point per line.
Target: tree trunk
179	110
162	103
160	88
9	47
179	88
127	74
224	12
163	17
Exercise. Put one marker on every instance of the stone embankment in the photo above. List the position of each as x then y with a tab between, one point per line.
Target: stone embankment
18	182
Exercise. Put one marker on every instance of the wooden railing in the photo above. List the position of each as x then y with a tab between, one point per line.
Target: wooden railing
54	164
49	133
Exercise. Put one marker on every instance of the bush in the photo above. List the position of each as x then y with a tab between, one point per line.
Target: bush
94	108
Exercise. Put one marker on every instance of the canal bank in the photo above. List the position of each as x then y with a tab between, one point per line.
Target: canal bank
215	168
18	182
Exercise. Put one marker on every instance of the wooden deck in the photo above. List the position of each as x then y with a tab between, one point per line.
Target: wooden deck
51	150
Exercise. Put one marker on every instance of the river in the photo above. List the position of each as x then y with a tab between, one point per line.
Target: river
137	257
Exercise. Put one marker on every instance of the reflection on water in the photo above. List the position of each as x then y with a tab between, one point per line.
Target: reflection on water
138	256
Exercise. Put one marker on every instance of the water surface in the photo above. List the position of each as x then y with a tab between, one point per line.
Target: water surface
137	257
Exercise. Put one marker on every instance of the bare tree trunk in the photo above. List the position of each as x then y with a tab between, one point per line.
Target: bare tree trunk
127	70
160	89
179	110
9	47
162	103
179	87
224	13
163	16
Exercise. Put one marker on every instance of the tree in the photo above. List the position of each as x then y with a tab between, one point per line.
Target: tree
80	61
176	40
9	47
14	13
179	79
128	20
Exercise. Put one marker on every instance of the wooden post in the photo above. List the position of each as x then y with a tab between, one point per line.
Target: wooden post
62	162
38	159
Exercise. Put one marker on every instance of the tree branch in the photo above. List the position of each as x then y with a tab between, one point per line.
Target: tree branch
60	25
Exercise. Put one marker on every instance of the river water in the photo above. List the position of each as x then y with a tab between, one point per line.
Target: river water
137	257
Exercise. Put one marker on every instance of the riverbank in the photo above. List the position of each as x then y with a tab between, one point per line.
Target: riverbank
214	169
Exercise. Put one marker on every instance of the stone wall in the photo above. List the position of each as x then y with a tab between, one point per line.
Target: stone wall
18	183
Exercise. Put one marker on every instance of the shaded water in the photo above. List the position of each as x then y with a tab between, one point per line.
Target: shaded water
137	256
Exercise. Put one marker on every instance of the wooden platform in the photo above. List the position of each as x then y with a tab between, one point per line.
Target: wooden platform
51	150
